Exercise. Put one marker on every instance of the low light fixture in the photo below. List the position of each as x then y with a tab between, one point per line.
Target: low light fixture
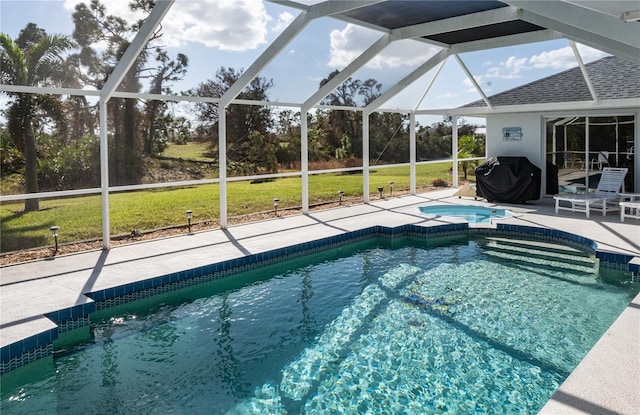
341	194
189	215
380	189
631	16
54	233
391	188
276	201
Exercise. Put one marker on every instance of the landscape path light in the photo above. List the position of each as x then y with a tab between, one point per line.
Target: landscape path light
341	194
391	188
275	205
380	189
54	233
189	215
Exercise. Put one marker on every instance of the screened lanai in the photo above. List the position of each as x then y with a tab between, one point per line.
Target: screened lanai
441	37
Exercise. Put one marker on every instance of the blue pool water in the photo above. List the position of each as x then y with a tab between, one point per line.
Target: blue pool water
472	214
480	326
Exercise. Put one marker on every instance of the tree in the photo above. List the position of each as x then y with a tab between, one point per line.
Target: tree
131	132
288	131
343	126
370	90
166	70
389	137
469	147
241	120
94	26
34	59
339	122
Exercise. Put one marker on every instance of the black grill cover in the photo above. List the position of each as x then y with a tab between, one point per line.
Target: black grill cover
508	179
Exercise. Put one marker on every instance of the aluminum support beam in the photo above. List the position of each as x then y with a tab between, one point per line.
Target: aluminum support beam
104	176
133	51
636	159
621	104
469	21
343	75
222	164
412	153
124	64
304	160
585	74
365	156
299	23
589	27
409	79
429	85
506	41
295	27
328	8
454	150
473	81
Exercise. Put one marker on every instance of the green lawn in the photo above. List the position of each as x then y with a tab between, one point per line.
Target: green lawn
79	218
189	151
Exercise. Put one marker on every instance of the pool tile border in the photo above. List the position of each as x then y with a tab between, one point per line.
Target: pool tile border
40	345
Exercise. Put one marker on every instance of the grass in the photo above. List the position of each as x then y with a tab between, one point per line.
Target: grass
189	151
80	219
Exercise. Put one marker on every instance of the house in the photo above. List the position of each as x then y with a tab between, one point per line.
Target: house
571	119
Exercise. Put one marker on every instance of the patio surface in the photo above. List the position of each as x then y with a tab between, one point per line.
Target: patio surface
605	382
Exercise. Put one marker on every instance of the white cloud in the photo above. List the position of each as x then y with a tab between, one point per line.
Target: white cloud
234	25
283	21
557	59
514	67
564	58
349	43
480	79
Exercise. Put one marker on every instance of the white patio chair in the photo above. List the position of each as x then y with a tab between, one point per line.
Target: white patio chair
605	198
632	212
571	162
601	161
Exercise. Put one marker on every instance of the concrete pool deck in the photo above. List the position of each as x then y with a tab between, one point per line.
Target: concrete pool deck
605	382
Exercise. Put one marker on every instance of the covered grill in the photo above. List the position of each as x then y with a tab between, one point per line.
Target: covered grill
508	180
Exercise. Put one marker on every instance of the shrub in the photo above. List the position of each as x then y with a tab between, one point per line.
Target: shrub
440	183
11	159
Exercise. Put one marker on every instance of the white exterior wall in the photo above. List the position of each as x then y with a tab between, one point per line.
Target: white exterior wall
532	144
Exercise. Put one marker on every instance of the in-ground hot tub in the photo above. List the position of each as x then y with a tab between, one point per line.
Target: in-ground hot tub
472	214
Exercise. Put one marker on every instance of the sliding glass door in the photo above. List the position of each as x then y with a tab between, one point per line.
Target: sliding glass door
578	148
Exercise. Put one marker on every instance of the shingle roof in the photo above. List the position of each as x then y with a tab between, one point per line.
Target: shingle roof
611	77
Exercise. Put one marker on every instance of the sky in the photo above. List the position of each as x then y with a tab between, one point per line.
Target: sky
233	33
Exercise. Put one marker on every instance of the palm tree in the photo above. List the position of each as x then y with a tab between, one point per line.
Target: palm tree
469	147
35	61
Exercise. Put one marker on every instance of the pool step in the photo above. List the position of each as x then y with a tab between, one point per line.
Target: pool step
541	253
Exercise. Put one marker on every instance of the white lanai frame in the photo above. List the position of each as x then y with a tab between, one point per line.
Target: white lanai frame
295	27
584	25
332	84
408	32
128	58
560	19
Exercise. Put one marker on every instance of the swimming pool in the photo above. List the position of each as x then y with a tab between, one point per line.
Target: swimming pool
483	325
472	214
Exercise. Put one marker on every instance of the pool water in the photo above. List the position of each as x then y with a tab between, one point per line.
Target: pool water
479	326
472	214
